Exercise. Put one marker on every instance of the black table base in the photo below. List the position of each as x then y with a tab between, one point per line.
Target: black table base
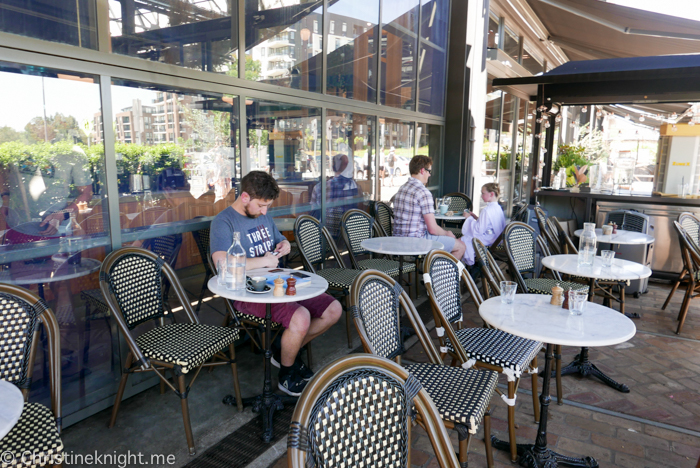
581	365
538	455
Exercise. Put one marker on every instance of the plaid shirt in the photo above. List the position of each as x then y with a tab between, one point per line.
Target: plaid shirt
412	201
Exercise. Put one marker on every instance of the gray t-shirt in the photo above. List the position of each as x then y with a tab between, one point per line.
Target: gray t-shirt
258	235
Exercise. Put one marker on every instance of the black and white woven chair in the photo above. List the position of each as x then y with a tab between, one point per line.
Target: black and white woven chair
690	252
691	223
357	411
315	244
131	281
357	226
201	238
461	395
491	273
458	203
385	218
546	233
36	436
521	245
485	348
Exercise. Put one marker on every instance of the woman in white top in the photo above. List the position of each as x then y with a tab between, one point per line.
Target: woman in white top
486	227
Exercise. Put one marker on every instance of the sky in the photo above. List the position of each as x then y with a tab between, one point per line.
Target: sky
681	8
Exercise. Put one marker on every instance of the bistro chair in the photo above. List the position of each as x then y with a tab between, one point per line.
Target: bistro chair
201	238
461	395
22	313
357	226
385	218
458	203
358	411
691	223
520	213
521	244
131	281
690	253
314	244
545	231
485	348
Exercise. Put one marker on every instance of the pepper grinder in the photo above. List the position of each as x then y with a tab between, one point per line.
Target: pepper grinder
614	228
565	304
291	287
279	287
556	295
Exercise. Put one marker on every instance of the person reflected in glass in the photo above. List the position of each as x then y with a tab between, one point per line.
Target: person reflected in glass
340	187
487	226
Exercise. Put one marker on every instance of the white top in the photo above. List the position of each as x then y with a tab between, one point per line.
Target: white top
48	272
284	224
622	237
620	270
11	406
317	287
532	316
394	245
487	228
455	218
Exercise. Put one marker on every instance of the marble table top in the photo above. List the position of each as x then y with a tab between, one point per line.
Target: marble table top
394	245
620	270
621	237
11	406
317	287
284	224
50	271
455	218
532	316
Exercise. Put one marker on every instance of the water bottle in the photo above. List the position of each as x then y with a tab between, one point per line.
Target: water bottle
235	265
587	245
72	240
148	202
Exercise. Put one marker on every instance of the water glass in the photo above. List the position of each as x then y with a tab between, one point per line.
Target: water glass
438	202
508	289
608	256
221	273
682	190
577	302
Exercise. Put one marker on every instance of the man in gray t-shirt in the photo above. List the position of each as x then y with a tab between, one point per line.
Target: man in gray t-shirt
264	246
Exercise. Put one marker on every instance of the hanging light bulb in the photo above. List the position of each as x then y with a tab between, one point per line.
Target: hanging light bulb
627	116
674	128
641	118
545	117
584	109
692	122
538	120
547	125
544	150
536	135
599	114
674	116
541	134
572	125
557	118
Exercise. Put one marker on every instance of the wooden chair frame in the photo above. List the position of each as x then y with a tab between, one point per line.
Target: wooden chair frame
691	260
691	223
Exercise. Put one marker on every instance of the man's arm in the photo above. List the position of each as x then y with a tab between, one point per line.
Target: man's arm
266	261
433	227
53	220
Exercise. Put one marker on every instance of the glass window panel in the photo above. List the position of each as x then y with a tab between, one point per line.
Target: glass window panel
428	137
294	48
395	137
511	44
399	33
349	178
492	38
352	56
52	164
285	140
182	167
522	168
505	156
69	22
432	61
198	34
491	133
530	62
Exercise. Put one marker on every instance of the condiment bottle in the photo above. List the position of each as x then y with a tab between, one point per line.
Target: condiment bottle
279	287
614	228
565	304
556	295
291	287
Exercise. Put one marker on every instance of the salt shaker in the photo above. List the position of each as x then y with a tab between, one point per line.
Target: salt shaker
556	295
291	287
614	228
565	304
279	287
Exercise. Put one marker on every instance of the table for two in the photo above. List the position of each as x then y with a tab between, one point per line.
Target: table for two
532	316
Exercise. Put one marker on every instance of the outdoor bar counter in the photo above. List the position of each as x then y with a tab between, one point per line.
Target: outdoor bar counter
592	207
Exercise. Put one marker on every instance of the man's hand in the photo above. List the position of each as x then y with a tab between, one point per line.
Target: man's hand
270	260
283	248
51	222
450	234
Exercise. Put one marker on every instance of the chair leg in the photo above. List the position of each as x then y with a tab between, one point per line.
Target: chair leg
557	365
347	321
686	306
622	298
464	439
182	388
120	392
487	438
511	422
535	393
686	298
236	383
308	355
201	294
673	290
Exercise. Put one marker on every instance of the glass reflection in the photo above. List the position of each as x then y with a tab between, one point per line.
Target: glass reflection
352	49
399	34
396	142
491	133
199	34
432	57
284	43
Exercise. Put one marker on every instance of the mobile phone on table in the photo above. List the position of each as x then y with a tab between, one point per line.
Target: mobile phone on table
275	253
276	270
298	275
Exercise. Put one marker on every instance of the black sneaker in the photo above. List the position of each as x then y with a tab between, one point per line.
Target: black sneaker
292	384
304	371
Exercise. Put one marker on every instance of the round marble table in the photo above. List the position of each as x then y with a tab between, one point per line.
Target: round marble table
453	218
268	401
532	316
25	274
11	406
621	237
400	246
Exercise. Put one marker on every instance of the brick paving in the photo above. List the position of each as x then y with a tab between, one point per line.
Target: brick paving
662	371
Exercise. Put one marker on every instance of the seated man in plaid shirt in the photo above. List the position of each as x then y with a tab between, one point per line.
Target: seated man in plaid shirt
414	209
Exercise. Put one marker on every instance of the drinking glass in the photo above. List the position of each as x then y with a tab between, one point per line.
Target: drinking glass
508	289
221	272
608	256
438	202
578	302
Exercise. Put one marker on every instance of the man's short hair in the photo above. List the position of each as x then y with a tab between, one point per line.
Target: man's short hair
260	185
419	162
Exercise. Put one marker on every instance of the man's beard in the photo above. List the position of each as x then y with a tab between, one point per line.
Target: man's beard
247	213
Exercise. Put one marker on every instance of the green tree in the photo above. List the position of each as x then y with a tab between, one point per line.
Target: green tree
57	127
10	134
252	68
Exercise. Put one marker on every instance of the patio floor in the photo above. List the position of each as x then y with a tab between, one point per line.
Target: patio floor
656	425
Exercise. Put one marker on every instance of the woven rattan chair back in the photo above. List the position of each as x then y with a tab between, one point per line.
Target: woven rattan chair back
545	231
691	223
521	245
357	410
489	269
566	245
385	218
201	238
445	277
314	243
21	313
356	226
459	202
166	247
519	213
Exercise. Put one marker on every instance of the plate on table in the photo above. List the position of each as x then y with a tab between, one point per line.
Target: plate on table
253	291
